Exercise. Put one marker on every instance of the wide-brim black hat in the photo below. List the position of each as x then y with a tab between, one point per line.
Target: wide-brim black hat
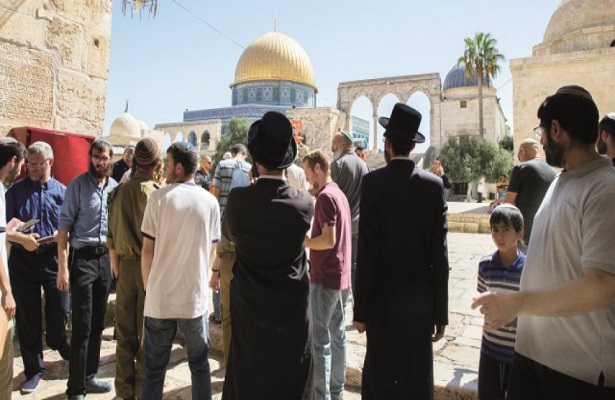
403	124
271	142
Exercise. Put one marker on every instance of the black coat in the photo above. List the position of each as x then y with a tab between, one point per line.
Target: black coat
270	356
402	279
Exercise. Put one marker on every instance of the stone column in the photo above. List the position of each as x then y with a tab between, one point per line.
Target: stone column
375	141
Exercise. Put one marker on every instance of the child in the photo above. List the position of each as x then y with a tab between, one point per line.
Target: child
500	272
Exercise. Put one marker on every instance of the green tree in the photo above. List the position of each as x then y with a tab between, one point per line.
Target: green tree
481	59
237	133
507	143
469	161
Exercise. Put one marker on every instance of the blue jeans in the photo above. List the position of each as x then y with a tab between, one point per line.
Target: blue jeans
328	341
215	299
158	339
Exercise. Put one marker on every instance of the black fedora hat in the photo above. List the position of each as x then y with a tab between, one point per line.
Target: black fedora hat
403	124
271	142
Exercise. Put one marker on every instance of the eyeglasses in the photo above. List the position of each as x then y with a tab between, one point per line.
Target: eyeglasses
36	164
538	131
104	159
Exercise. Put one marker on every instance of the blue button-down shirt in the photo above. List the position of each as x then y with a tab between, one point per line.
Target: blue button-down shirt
27	199
84	213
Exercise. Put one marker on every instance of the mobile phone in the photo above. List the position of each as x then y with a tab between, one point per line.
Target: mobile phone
26	227
44	239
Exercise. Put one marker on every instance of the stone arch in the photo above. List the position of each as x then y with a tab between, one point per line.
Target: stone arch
179	136
205	140
192	138
400	86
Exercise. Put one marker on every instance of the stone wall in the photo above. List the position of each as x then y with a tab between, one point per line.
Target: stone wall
54	61
319	125
535	78
458	121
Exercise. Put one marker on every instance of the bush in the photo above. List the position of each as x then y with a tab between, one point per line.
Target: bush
472	160
237	133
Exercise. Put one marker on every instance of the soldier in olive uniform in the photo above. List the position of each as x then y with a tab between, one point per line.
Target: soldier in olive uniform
126	208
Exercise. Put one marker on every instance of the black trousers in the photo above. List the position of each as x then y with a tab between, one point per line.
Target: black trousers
531	380
29	271
90	281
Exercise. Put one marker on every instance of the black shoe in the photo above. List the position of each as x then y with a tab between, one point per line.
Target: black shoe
64	351
96	385
30	385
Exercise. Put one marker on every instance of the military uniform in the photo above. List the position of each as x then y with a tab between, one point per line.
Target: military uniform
126	208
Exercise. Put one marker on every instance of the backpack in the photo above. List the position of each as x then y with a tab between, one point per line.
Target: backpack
239	177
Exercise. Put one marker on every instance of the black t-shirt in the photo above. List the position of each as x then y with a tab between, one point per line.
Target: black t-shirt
530	180
202	179
119	168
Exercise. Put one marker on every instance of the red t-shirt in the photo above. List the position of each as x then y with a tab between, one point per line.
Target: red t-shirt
331	268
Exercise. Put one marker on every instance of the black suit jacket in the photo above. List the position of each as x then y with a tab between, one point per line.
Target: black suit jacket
403	255
269	292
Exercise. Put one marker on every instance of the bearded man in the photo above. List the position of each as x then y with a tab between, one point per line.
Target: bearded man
84	216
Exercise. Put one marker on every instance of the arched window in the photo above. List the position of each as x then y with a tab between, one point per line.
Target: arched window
205	140
192	138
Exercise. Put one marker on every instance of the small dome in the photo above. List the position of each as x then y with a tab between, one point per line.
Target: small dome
125	125
143	125
274	56
581	25
457	78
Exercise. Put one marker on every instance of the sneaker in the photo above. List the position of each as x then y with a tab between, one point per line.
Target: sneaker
215	320
30	385
96	385
64	351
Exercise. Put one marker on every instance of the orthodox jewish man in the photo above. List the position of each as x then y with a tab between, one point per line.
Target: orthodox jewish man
401	297
268	222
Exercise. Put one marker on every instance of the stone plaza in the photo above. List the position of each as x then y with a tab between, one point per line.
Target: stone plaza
455	357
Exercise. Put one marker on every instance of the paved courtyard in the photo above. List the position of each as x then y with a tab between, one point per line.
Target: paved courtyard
456	357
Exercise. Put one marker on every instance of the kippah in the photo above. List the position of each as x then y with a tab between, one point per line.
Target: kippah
575	91
147	152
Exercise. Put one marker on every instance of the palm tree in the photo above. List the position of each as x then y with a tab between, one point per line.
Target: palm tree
481	59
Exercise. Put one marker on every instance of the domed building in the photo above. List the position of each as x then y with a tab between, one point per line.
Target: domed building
459	109
274	73
125	130
578	48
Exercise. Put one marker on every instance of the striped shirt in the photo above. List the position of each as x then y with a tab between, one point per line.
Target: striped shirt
223	177
495	277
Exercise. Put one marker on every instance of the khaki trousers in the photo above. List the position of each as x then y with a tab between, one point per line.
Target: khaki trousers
226	252
6	366
129	329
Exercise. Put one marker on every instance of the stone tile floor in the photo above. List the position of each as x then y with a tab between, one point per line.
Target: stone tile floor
455	358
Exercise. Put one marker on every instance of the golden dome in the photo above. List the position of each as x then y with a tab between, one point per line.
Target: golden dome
275	56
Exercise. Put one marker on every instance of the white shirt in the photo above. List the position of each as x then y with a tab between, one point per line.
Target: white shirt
184	221
573	229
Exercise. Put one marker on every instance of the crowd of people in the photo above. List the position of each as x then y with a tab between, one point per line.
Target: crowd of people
286	244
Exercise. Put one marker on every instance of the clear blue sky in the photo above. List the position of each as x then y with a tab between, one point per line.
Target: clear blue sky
176	62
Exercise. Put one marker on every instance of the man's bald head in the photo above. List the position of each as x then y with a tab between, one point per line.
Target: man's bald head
529	149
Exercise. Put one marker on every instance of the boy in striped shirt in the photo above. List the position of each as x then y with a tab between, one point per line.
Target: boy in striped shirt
500	272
